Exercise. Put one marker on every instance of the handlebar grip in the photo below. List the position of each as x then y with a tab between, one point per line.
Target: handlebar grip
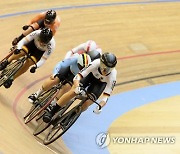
99	106
90	97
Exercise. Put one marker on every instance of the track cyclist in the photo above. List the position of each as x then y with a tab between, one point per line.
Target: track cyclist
39	44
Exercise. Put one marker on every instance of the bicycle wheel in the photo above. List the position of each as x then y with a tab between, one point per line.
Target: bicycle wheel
62	125
9	71
42	126
43	101
40	115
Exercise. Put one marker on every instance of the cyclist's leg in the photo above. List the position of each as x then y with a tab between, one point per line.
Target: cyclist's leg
71	94
35	54
25	67
50	82
60	103
63	90
10	59
57	76
15	56
9	82
68	95
65	72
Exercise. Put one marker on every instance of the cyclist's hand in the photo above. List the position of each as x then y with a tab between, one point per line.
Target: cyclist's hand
13	48
17	51
97	111
33	69
25	27
79	90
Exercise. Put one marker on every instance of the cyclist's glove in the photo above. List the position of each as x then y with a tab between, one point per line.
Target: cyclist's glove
25	27
97	111
16	51
33	69
79	90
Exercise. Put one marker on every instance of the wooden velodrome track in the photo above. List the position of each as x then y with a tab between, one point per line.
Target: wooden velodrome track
145	37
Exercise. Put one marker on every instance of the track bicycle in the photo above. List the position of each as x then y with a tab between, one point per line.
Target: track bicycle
42	126
12	68
63	123
42	102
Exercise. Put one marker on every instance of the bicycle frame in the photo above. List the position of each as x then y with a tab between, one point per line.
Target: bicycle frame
8	72
7	56
28	56
38	107
68	118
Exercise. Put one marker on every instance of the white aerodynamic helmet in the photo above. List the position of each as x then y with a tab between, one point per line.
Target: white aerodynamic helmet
90	46
83	60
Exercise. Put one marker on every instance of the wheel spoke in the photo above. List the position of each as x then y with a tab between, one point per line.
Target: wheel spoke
64	123
56	130
42	102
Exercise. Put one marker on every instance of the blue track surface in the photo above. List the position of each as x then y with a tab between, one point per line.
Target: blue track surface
81	137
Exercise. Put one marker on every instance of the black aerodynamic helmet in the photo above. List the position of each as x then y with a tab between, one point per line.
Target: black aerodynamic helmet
50	16
109	59
45	35
107	62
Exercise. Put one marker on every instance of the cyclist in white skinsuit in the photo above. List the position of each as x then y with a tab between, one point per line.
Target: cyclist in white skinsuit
99	77
39	44
88	47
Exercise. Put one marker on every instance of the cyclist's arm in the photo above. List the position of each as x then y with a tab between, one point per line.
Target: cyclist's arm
46	54
83	73
104	99
75	50
41	62
27	39
99	50
111	81
36	18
